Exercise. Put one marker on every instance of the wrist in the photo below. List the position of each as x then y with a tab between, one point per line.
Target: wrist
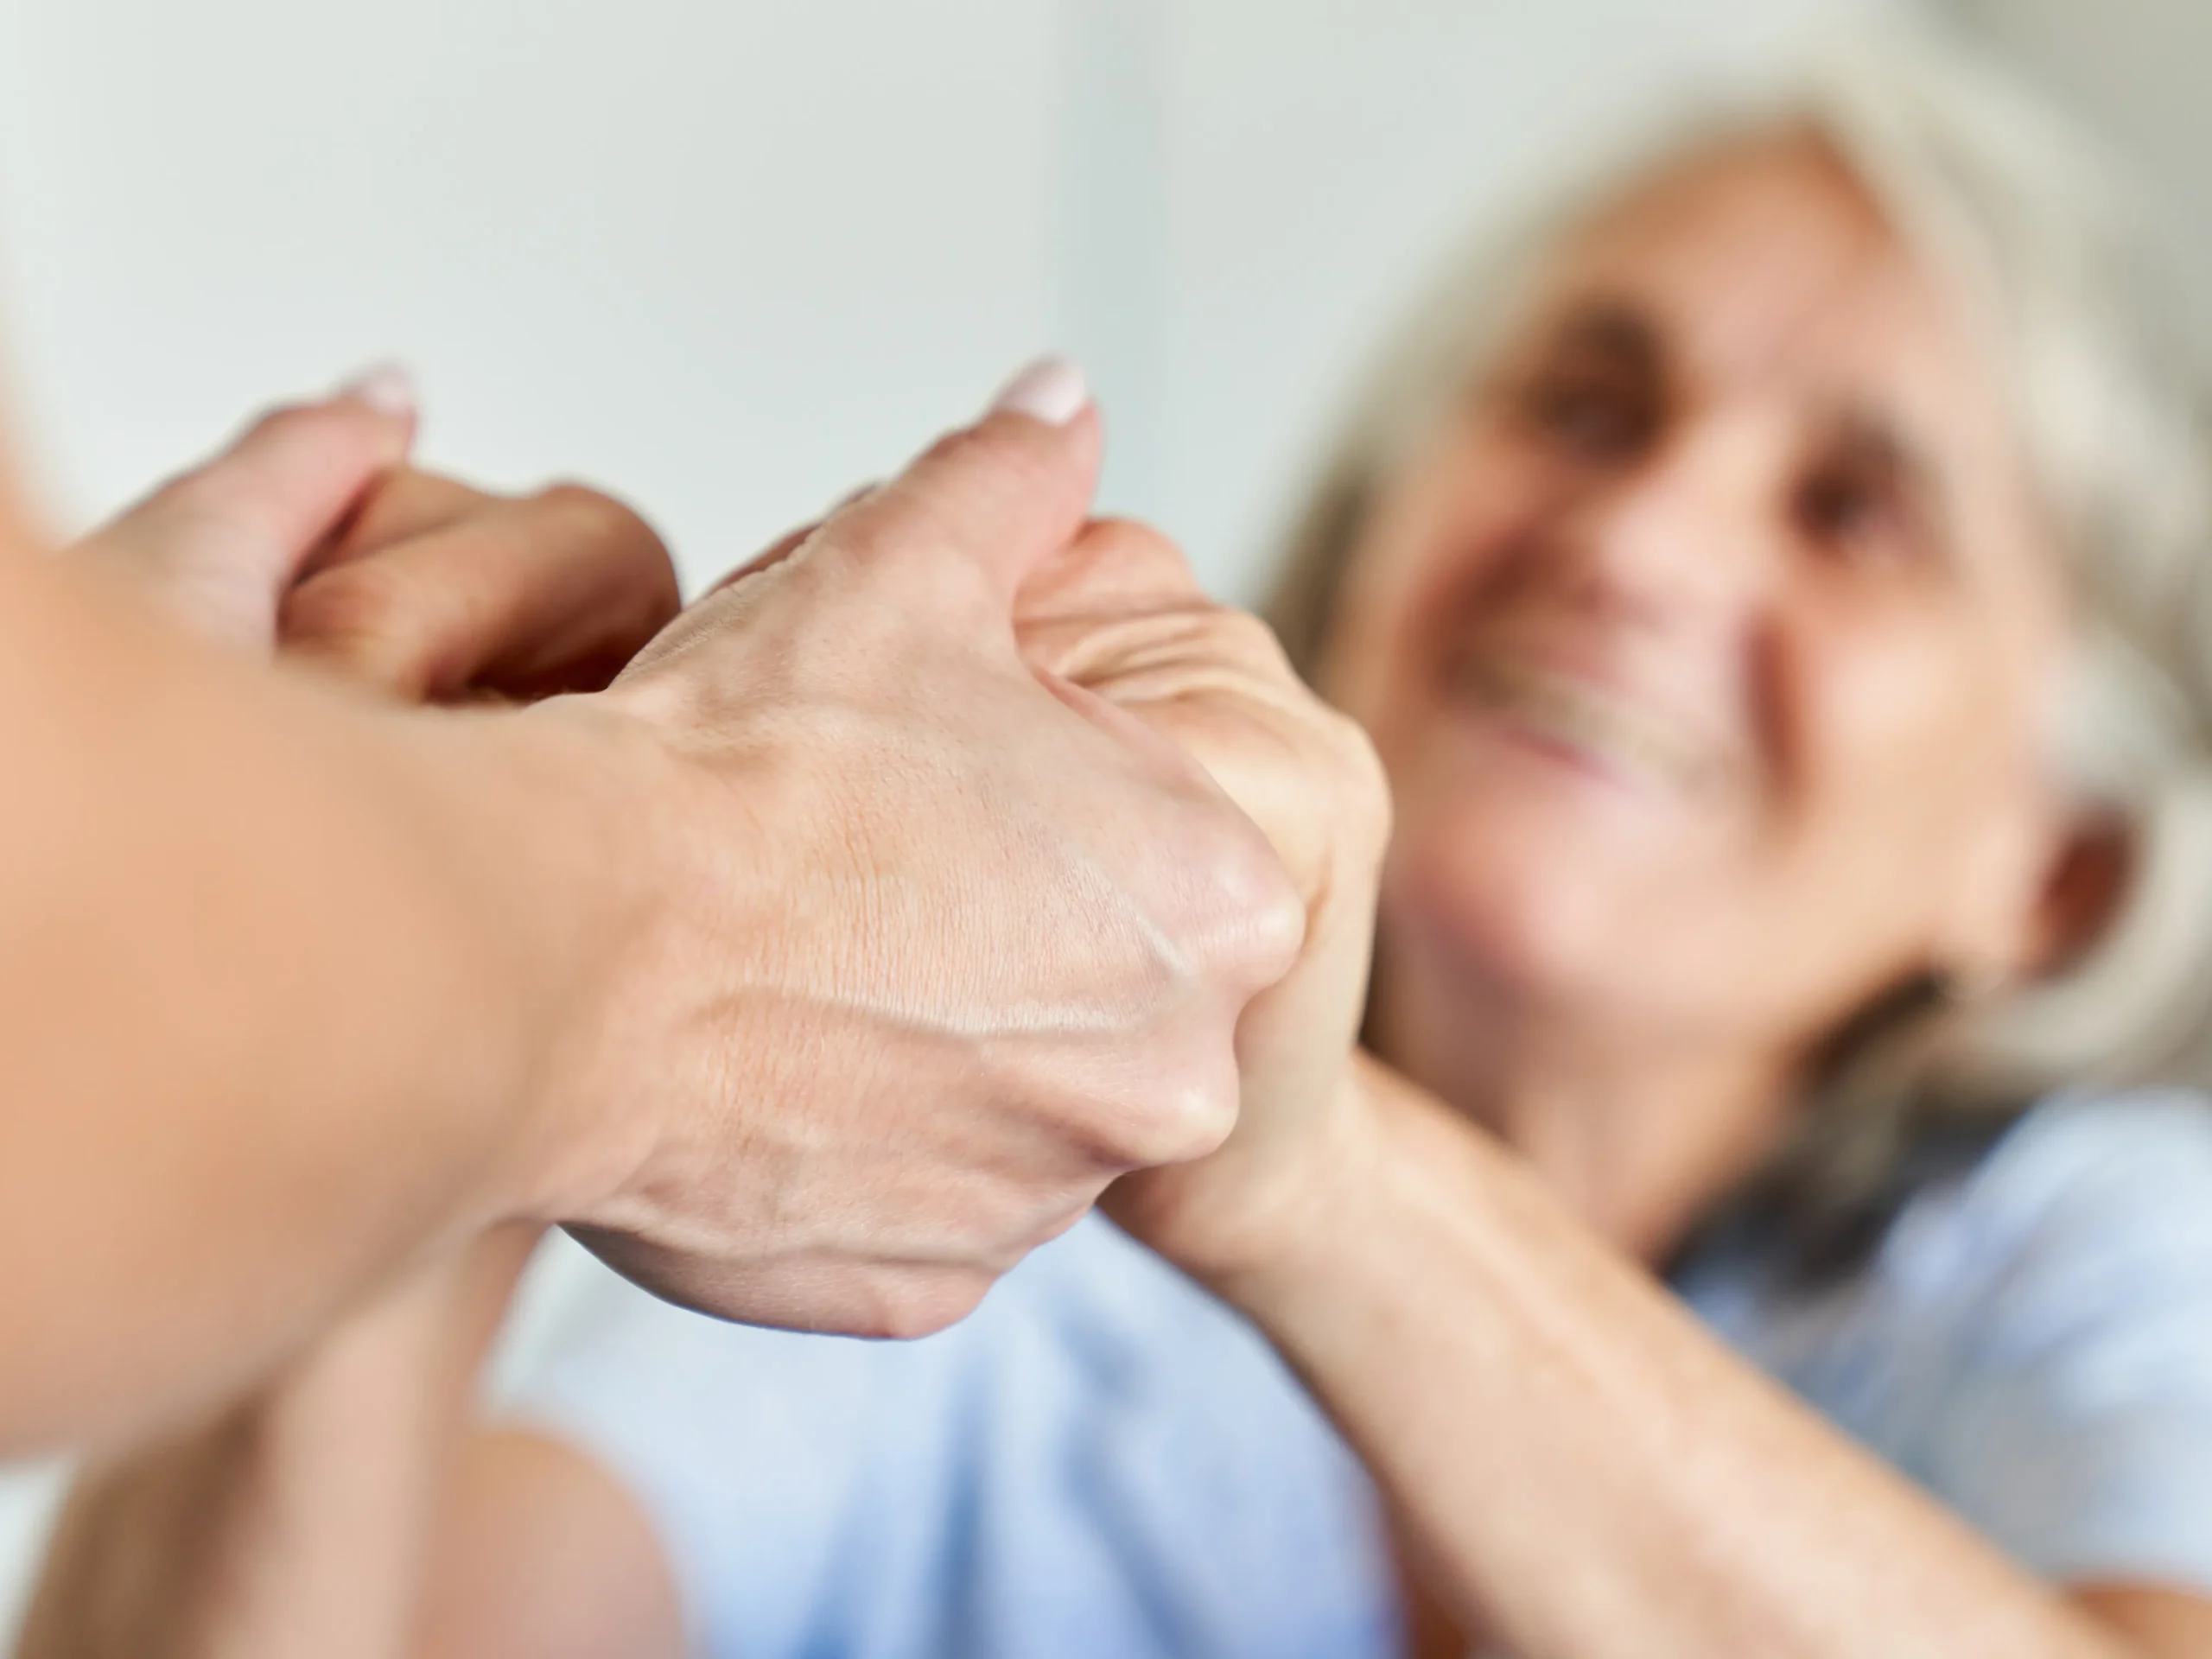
562	898
1400	1159
1308	1205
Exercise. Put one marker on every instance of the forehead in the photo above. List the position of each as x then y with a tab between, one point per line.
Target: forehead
1767	264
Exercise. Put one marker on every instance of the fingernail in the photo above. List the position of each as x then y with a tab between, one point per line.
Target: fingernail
1051	390
387	388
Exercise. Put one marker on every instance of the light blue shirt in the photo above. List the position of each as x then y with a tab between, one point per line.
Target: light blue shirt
1103	1461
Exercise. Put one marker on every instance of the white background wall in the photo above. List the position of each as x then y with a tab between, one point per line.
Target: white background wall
731	256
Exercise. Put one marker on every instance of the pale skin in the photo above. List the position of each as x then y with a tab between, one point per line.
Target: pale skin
1719	618
301	988
1721	591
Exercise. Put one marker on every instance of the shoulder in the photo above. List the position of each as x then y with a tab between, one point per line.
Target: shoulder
2086	1146
2087	1188
2032	1340
2062	1296
2084	1186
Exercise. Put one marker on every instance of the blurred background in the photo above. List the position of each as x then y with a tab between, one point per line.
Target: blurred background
730	257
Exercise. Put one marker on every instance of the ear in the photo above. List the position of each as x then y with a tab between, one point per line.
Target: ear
2085	880
2044	889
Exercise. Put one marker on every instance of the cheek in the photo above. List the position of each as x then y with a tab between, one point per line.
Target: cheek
1766	927
1897	741
1898	761
1527	887
1432	534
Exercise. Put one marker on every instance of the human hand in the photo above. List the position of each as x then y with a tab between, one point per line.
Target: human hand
312	532
216	546
439	593
935	945
1121	615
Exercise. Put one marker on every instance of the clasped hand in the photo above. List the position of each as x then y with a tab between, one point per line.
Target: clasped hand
971	858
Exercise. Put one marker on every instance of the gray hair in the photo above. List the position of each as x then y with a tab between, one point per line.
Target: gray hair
2103	377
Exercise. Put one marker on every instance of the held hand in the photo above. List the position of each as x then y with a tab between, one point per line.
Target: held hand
311	531
938	946
1121	616
439	593
216	547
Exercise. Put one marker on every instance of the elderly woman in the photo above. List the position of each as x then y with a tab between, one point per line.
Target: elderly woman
1744	1226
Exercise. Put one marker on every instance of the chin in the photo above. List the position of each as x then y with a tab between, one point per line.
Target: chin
1515	907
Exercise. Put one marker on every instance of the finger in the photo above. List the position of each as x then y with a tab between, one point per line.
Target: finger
226	538
776	551
284	484
996	498
406	503
1111	564
556	594
1103	596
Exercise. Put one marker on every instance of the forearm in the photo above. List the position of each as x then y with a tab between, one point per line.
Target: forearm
276	970
296	1520
1592	1474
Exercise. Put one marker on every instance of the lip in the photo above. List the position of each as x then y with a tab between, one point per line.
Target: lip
1595	723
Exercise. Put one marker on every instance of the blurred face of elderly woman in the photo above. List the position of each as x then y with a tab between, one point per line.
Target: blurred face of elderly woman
1708	645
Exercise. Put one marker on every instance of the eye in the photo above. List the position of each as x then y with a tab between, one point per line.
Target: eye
1853	511
1593	415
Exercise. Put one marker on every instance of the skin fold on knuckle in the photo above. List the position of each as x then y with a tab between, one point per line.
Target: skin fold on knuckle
1244	639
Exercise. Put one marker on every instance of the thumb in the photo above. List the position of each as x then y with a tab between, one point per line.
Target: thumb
220	543
999	497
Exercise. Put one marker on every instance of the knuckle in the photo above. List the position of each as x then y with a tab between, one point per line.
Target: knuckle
1244	638
364	614
1131	553
1113	537
592	508
1253	921
605	520
922	1303
619	545
1277	929
1364	794
1189	1115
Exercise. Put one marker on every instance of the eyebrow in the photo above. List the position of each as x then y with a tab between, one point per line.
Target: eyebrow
1615	329
1602	333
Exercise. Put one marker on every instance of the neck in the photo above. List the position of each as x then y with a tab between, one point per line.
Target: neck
1640	1134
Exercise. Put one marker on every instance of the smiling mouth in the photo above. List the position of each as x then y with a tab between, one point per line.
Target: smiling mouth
1611	735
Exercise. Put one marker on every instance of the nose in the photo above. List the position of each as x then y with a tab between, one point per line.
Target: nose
1679	541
